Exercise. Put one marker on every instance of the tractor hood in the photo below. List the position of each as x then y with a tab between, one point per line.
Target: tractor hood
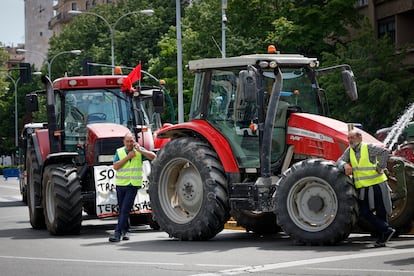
106	130
320	136
110	130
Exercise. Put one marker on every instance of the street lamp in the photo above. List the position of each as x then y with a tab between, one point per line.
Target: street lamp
112	27
49	66
16	114
49	63
16	120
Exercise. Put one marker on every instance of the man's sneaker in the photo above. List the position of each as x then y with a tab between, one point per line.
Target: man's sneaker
125	236
116	237
385	237
388	235
379	244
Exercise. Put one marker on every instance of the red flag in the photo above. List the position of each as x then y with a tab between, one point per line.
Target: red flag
132	77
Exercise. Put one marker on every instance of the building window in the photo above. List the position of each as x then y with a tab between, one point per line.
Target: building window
88	5
361	3
74	6
386	26
93	3
41	33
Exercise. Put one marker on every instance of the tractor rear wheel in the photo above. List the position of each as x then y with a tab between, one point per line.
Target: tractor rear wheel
62	200
403	207
37	219
316	204
188	190
258	222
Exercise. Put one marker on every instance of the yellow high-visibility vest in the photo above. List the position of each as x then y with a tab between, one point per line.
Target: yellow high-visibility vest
364	172
131	171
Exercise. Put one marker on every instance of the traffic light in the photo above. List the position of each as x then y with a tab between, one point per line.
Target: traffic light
25	73
87	68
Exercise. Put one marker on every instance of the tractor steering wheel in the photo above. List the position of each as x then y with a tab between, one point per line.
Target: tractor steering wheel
98	116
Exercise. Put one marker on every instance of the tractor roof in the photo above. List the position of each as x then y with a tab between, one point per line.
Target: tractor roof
281	59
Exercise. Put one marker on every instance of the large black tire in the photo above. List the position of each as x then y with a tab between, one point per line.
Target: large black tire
23	188
188	190
316	204
37	219
62	199
258	222
402	214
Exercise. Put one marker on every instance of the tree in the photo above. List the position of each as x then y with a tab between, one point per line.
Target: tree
135	36
384	86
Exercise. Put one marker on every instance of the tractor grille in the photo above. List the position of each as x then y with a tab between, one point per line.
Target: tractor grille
105	150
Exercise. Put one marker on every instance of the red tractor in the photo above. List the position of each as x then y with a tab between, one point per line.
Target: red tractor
258	147
69	161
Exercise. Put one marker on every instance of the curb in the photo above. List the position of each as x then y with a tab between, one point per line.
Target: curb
232	225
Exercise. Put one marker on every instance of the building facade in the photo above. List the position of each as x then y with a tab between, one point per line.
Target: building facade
394	18
37	33
62	17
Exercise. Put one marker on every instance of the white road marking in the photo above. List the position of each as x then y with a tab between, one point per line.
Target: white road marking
106	262
10	198
258	268
363	270
16	188
86	261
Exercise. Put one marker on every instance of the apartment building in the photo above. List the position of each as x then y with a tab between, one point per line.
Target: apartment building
62	17
394	18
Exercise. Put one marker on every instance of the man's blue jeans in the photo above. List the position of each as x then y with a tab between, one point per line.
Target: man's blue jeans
126	196
379	219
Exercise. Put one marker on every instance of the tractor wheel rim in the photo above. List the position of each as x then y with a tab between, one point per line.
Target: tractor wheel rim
312	204
182	197
50	202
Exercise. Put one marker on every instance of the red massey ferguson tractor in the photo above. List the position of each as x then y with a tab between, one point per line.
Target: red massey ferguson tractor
260	147
69	161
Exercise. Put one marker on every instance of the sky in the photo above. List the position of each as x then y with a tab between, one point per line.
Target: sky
11	22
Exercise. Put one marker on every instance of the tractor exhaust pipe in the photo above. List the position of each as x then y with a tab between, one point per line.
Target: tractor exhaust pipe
264	182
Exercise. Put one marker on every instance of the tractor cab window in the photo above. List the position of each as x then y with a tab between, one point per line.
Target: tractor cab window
83	107
298	91
222	92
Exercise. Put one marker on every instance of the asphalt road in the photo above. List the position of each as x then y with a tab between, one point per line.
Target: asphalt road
24	251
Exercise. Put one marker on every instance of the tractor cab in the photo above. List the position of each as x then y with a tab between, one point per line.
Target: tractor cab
233	97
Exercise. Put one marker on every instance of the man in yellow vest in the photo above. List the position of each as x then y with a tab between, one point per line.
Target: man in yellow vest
366	162
128	165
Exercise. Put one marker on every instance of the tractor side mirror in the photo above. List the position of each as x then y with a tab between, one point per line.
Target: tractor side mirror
32	102
349	84
247	86
158	101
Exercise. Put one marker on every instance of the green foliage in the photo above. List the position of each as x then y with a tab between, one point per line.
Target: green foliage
384	88
310	27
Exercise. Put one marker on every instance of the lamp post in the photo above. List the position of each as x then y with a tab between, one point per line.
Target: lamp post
112	27
16	114
223	27
16	118
49	63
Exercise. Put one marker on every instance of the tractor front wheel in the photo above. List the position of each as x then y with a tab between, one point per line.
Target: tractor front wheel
188	190
62	201
37	220
315	203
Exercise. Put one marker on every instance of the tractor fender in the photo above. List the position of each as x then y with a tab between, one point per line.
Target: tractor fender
40	141
60	158
203	130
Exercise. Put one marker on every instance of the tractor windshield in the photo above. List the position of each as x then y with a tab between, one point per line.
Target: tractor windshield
229	104
82	107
